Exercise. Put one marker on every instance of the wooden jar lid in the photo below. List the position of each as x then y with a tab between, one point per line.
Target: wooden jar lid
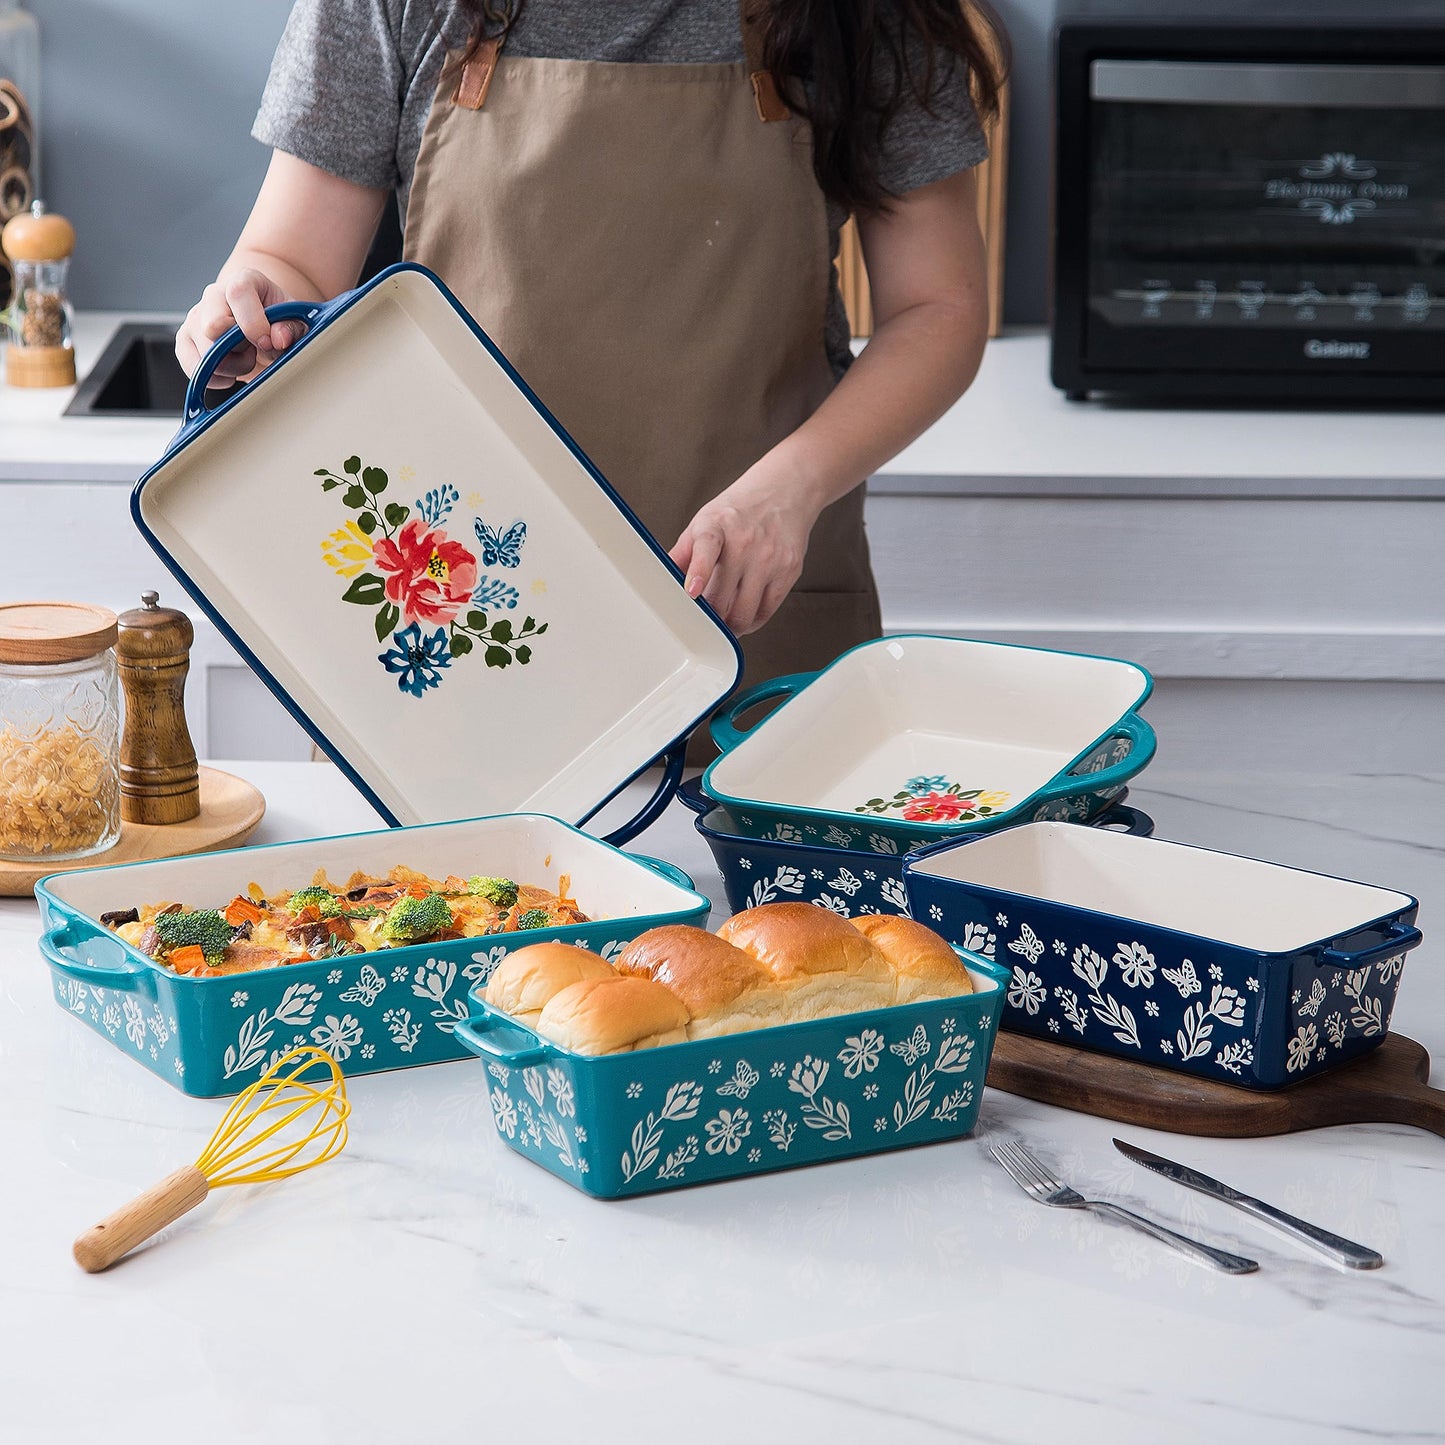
49	632
37	236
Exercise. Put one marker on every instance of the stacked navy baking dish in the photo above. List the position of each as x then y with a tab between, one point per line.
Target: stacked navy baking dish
947	778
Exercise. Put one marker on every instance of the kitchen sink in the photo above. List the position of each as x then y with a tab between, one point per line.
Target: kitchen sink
137	375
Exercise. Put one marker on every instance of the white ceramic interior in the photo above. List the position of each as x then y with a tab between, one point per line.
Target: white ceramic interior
981	714
1219	896
526	847
628	660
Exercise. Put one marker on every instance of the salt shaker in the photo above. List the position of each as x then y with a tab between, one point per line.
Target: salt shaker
39	246
59	726
159	780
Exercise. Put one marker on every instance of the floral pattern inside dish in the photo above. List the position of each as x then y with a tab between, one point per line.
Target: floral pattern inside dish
401	560
933	798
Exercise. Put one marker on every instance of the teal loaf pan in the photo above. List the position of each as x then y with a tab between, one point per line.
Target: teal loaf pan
746	1103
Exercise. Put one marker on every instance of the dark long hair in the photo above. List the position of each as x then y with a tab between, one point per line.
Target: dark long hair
848	66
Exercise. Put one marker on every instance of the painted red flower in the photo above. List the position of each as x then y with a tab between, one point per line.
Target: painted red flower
936	808
428	576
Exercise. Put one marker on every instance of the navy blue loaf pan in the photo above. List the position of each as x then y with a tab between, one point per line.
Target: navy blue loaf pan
1235	969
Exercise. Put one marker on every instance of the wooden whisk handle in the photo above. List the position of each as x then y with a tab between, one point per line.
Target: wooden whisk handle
147	1214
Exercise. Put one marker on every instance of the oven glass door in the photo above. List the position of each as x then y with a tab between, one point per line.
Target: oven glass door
1266	217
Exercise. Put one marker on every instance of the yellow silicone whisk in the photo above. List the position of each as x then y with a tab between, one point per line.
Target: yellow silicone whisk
283	1123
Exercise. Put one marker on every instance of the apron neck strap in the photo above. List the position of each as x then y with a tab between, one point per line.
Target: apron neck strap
765	90
479	67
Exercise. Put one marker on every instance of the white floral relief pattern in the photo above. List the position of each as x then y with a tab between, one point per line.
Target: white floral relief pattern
1181	1007
787	880
295	1010
731	1116
433	981
681	1102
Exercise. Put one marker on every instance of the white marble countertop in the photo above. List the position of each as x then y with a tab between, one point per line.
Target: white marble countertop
431	1285
1012	430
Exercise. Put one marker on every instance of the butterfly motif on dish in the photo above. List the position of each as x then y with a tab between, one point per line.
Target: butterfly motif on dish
1183	978
1311	1006
913	1048
502	549
1028	943
366	988
742	1081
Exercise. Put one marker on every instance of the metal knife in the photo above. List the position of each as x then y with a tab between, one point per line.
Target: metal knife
1356	1256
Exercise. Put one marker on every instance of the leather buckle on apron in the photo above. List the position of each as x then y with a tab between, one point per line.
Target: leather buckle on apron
476	76
765	94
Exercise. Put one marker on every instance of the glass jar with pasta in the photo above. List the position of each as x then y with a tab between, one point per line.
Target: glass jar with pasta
59	731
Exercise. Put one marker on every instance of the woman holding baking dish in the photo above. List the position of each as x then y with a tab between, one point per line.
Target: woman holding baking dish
626	198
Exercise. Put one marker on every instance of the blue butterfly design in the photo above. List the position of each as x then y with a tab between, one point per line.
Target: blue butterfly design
505	549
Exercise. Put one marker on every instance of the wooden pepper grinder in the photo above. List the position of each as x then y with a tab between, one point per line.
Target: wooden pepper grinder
159	780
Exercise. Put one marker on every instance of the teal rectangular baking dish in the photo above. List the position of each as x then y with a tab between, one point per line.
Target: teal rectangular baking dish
746	1103
386	1010
907	740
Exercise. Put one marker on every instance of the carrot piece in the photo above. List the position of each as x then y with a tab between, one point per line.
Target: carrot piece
417	890
241	910
189	959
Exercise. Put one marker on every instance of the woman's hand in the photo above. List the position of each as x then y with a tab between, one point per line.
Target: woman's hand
744	550
238	299
305	240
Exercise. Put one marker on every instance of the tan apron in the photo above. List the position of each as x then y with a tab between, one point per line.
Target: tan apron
651	254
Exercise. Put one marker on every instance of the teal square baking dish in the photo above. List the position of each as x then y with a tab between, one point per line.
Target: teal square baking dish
908	740
386	1010
745	1103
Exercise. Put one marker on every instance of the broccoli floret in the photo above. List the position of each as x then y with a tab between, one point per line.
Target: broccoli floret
204	927
532	918
415	918
307	897
337	908
499	892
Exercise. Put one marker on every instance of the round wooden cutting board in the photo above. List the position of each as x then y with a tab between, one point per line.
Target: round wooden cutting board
230	810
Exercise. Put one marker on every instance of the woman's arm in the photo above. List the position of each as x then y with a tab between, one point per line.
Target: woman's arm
926	269
305	240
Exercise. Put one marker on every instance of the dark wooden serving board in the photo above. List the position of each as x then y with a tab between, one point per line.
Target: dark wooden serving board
1386	1086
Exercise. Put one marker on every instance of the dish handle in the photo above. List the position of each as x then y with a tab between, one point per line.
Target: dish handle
656	805
473	1034
1399	938
1142	747
725	732
691	796
67	948
667	870
1133	821
307	311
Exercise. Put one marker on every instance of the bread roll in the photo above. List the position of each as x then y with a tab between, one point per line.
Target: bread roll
723	989
776	964
822	964
613	1015
926	967
526	981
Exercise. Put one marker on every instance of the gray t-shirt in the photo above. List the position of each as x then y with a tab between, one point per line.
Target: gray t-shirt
353	81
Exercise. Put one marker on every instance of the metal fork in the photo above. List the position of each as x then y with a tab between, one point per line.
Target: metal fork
1040	1185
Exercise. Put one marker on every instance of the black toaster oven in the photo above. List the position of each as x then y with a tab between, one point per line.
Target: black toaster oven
1250	212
